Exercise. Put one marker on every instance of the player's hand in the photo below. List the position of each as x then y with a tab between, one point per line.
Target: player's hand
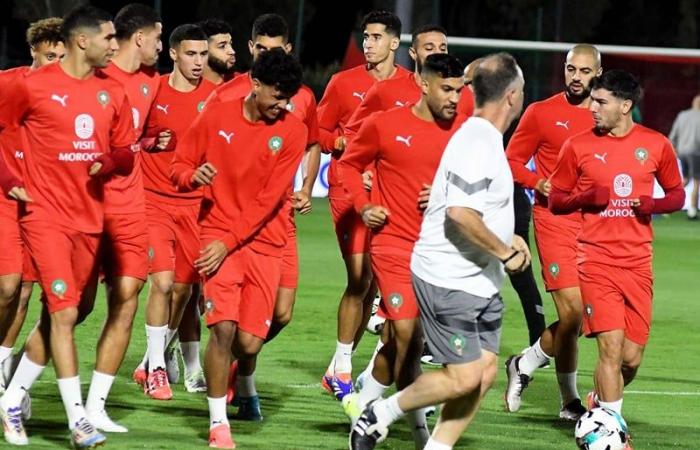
595	199
643	206
95	169
520	245
374	216
517	263
339	144
164	140
20	194
211	257
367	177
301	200
424	197
544	187
204	174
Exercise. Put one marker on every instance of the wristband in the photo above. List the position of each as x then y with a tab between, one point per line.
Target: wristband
505	261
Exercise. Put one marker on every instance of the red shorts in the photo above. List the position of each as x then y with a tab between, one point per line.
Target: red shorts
124	246
393	274
557	247
11	244
243	290
173	236
352	233
289	278
616	298
65	260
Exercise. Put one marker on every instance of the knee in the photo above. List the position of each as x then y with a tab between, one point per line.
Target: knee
162	285
64	319
222	334
8	292
248	345
465	382
488	377
282	318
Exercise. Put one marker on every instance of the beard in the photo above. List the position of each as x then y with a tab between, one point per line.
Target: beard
585	93
219	66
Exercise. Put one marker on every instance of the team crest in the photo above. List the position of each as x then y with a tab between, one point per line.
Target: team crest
59	287
209	305
103	98
151	253
395	300
589	310
641	155
275	144
145	89
200	106
554	269
457	341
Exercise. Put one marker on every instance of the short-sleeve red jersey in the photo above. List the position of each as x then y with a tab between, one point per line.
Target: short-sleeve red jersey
541	132
302	104
68	123
627	166
124	195
172	110
406	152
255	163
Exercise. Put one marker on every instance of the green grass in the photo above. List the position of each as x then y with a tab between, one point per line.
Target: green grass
299	416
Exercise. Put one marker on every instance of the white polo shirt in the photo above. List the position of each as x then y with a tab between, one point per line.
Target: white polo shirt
473	173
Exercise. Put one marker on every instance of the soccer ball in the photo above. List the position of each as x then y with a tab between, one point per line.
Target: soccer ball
376	322
601	429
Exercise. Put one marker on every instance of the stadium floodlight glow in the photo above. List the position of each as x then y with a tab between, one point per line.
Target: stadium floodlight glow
515	44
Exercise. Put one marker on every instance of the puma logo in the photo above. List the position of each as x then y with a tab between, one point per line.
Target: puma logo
398	103
562	124
61	100
600	157
360	95
226	136
163	108
405	140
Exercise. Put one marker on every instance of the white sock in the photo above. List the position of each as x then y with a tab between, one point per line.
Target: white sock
331	366
190	356
435	445
343	357
692	211
217	411
100	386
169	337
370	365
26	374
144	360
615	406
72	399
156	347
246	385
533	358
567	387
388	411
371	389
419	427
5	353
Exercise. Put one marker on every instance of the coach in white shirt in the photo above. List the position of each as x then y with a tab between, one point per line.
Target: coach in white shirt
465	246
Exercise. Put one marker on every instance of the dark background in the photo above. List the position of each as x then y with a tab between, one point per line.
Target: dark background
327	27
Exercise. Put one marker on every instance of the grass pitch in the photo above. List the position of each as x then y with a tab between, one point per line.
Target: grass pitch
661	406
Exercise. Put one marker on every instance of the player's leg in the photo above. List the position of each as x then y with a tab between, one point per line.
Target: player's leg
608	371
182	292
11	261
10	285
10	363
189	335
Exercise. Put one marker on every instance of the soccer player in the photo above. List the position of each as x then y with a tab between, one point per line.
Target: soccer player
345	91
245	152
271	31
79	131
171	215
685	137
457	265
540	134
426	40
403	140
222	56
138	30
45	46
608	173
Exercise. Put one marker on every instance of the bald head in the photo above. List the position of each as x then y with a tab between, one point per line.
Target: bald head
494	77
585	50
469	71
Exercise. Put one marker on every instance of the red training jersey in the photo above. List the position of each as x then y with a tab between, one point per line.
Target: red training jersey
627	166
173	110
124	195
11	142
302	104
68	123
541	132
255	163
406	151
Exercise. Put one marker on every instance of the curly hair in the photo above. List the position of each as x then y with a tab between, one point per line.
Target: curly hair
277	68
45	30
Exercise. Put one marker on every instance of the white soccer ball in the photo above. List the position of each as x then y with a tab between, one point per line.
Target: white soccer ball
376	322
601	429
